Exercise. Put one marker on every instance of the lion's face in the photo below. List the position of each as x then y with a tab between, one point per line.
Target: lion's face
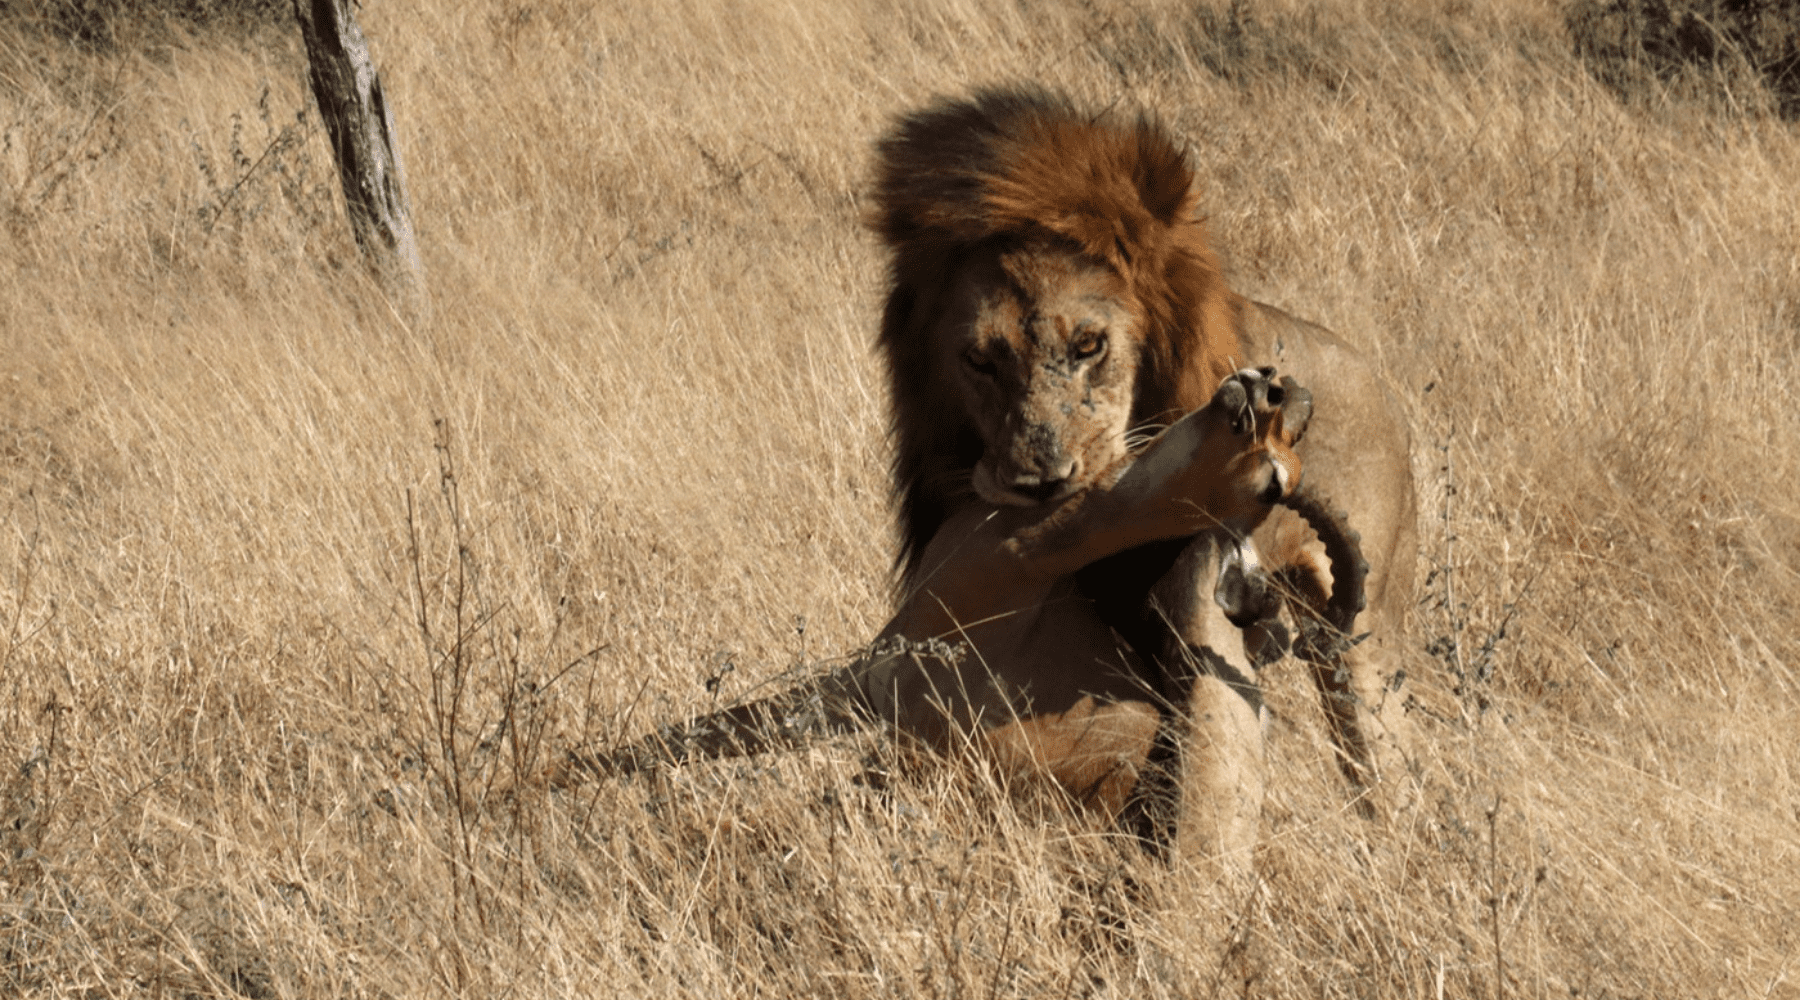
1044	344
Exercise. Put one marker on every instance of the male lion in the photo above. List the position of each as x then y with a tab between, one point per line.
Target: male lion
1052	298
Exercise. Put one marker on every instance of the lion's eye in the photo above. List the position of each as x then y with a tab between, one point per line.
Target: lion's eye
981	362
1090	344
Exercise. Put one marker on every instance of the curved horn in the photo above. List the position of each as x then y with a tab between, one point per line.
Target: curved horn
1349	571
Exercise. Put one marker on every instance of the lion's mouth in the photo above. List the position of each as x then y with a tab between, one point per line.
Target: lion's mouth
1022	490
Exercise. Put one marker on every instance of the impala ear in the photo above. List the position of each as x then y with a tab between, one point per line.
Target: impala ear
1233	399
1243	590
1233	595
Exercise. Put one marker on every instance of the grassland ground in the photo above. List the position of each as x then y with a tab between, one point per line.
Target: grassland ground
292	588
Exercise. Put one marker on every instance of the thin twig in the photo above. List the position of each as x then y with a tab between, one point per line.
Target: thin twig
1493	818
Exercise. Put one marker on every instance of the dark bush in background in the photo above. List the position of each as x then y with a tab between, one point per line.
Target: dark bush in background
105	23
1631	43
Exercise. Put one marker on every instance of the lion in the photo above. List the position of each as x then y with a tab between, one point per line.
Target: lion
1053	295
1054	308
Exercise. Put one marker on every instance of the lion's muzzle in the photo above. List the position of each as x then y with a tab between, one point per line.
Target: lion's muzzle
1035	467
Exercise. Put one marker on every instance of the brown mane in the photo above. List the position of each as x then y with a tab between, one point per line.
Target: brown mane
1024	164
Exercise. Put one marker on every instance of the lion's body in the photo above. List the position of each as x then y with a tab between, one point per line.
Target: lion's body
993	648
1052	296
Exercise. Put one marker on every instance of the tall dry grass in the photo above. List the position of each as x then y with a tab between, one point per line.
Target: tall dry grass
290	590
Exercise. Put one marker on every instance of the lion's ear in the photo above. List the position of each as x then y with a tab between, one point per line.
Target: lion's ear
1165	183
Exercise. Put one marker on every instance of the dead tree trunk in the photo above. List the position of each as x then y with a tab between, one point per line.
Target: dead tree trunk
361	125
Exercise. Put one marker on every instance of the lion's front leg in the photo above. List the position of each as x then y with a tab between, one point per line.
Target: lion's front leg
1203	788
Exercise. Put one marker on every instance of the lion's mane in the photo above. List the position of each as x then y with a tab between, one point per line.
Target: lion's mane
1022	164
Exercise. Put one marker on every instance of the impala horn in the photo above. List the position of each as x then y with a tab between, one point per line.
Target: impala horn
1336	632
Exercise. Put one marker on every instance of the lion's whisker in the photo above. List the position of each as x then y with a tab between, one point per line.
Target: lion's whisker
1141	435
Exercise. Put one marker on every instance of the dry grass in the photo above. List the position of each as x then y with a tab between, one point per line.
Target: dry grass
289	590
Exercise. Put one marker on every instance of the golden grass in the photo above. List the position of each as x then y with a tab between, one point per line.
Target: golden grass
290	589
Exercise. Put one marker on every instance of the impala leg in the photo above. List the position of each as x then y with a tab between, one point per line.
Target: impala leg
1365	711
